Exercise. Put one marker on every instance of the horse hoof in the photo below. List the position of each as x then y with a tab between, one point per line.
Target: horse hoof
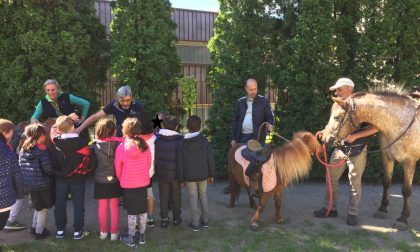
280	221
400	226
254	226
231	206
380	215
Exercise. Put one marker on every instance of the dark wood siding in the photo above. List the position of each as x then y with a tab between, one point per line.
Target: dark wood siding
194	25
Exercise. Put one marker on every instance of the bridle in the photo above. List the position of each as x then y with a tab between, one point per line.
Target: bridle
348	116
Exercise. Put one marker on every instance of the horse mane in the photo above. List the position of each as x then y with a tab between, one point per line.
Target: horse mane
293	160
390	89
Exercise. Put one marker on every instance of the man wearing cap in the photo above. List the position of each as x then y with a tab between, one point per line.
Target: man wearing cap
122	107
354	152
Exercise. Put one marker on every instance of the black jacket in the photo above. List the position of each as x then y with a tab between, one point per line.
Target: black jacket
195	159
71	165
102	159
64	105
36	168
166	149
261	112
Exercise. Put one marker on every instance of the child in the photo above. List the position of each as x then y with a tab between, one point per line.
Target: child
166	148
11	183
35	163
148	135
132	165
196	169
70	159
107	187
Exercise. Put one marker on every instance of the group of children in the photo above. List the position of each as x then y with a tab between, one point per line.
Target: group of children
120	167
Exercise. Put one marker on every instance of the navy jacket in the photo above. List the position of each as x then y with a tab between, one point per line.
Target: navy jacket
261	112
36	166
11	184
195	159
166	149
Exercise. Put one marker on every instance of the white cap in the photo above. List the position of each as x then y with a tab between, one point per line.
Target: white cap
342	82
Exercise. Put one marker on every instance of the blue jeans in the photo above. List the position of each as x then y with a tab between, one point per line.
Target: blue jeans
197	191
78	197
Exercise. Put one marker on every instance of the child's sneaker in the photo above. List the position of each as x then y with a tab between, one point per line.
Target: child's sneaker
45	233
59	234
204	224
33	231
177	221
80	235
193	227
142	239
14	225
115	236
127	239
150	222
103	236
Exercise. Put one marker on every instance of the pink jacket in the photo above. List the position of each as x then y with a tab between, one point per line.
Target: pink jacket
132	166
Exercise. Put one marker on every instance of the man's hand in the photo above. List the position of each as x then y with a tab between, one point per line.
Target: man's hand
210	180
269	127
319	134
232	143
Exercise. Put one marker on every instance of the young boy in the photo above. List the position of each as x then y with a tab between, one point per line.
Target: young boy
166	149
196	169
70	159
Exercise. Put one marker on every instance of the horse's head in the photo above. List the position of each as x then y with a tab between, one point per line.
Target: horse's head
309	140
342	122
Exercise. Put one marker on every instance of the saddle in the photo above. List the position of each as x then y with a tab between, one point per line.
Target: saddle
257	155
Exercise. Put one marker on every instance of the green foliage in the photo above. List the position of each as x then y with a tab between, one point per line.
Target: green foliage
143	51
49	39
240	50
188	86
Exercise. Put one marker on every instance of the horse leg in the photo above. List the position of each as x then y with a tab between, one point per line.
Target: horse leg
388	168
263	202
252	203
277	202
409	168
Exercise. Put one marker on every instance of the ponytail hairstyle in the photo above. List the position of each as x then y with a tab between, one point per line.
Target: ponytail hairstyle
32	133
5	127
105	128
132	129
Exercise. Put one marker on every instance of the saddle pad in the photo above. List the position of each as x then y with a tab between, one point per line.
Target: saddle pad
269	180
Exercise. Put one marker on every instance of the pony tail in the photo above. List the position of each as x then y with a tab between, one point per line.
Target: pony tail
141	144
28	144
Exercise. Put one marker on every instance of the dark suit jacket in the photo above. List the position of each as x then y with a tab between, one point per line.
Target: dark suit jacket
261	112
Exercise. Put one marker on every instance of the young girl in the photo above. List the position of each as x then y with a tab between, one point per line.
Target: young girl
11	184
35	163
107	187
132	165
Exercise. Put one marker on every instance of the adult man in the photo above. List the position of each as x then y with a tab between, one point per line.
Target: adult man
122	107
354	152
251	111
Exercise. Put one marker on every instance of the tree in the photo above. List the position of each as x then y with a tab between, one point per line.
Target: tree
241	48
49	39
143	51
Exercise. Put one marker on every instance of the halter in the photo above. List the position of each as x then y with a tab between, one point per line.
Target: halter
348	116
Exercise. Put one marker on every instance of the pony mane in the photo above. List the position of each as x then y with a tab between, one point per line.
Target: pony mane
292	160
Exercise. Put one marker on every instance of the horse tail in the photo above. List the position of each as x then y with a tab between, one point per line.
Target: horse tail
231	163
293	161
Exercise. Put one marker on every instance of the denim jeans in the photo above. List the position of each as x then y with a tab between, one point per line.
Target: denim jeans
197	191
78	197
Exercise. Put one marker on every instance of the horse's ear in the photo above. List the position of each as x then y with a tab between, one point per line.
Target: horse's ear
339	101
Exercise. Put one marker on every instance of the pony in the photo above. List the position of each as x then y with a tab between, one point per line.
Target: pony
395	115
291	162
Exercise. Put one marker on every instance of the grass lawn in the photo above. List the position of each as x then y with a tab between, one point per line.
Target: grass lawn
221	237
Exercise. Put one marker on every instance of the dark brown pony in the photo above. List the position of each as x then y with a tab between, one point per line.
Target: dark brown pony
291	161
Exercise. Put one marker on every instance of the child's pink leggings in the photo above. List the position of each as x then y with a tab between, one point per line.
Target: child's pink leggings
103	215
